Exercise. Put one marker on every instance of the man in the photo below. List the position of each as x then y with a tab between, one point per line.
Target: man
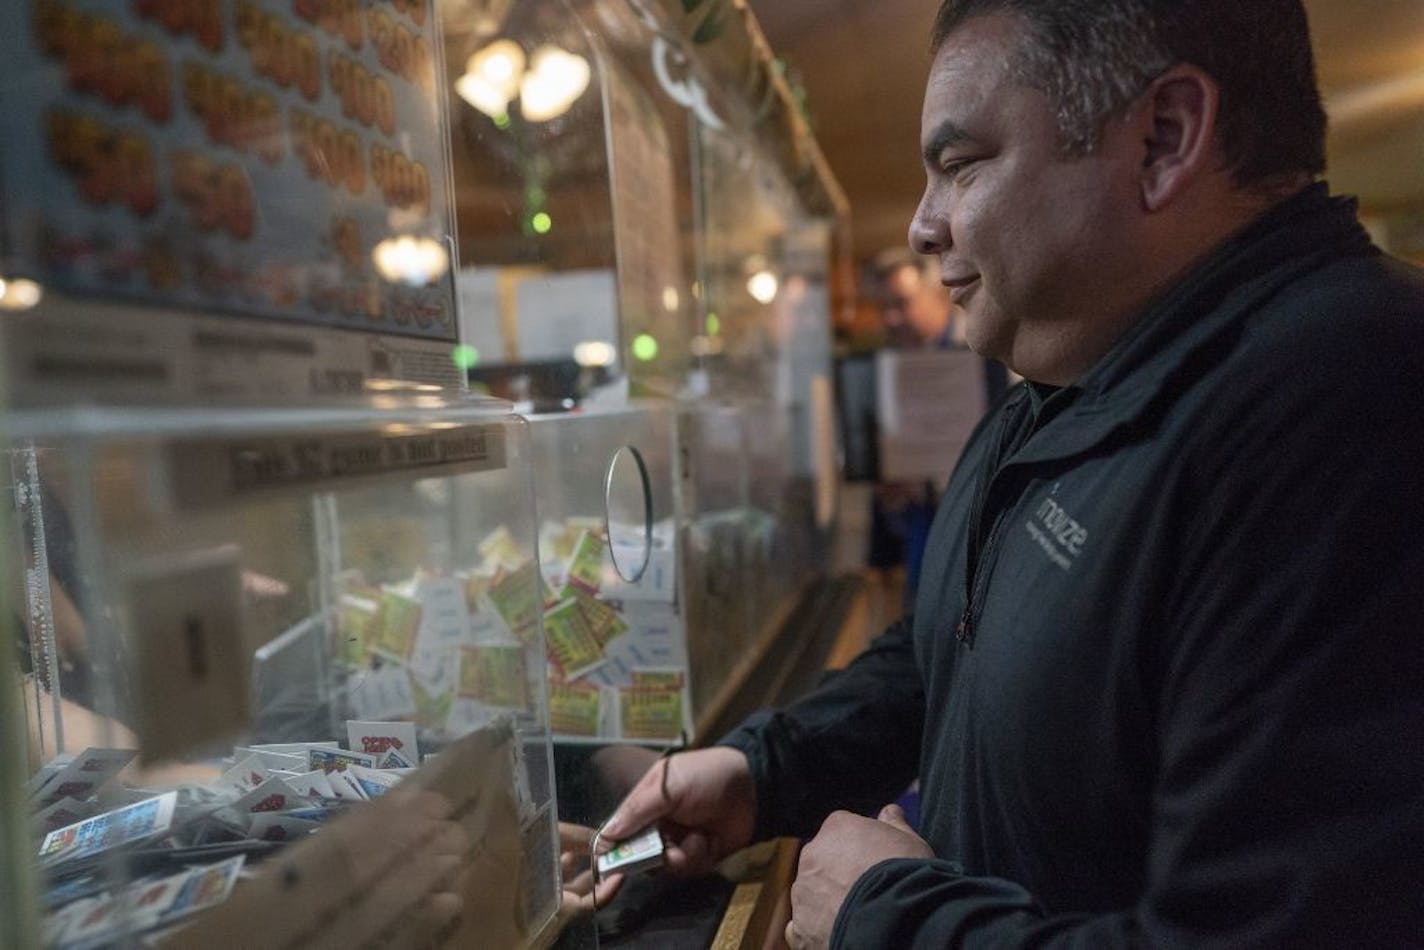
1164	684
917	313
914	307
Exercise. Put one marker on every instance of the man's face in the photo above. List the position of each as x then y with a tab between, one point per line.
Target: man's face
914	306
1030	241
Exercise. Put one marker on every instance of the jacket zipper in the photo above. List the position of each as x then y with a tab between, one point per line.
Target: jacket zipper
980	559
979	579
964	630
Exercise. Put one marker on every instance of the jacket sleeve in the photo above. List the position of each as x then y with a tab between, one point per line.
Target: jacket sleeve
1288	786
853	743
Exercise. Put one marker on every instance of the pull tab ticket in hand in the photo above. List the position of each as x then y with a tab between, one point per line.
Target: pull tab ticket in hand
642	852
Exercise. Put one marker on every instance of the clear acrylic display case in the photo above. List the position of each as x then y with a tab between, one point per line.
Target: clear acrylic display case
609	550
764	268
247	640
644	240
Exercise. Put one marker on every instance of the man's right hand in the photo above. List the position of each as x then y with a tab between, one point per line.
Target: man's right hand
702	801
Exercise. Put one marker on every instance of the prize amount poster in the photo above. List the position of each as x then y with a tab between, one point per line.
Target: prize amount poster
231	155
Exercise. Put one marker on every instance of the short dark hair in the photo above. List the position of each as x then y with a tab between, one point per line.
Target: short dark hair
1093	57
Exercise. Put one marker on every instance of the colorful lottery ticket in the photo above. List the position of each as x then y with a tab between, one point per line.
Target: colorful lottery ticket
658	679
642	852
651	713
575	709
518	596
605	622
494	675
127	825
586	565
396	626
378	738
336	760
571	640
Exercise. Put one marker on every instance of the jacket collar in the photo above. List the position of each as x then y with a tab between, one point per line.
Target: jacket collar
1193	318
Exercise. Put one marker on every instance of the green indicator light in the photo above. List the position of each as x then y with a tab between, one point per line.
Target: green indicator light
714	324
465	356
542	223
501	121
645	348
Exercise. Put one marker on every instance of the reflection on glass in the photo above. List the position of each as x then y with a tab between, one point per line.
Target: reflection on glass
556	78
492	76
552	81
411	260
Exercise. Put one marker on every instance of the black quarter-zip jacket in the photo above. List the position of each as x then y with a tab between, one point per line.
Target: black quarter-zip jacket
1164	680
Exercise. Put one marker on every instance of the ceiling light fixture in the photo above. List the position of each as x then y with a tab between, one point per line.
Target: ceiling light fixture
20	293
763	286
553	83
492	77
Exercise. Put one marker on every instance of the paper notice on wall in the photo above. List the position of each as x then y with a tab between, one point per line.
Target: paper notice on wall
929	402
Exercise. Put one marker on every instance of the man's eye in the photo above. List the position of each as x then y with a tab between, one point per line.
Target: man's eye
953	168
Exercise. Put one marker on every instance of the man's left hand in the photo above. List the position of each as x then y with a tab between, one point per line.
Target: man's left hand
846	847
580	894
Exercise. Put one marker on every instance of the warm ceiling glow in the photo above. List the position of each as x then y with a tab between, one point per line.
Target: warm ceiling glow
411	260
20	293
671	299
492	77
555	80
763	286
1396	96
595	353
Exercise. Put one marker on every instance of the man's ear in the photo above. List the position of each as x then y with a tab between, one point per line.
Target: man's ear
1179	115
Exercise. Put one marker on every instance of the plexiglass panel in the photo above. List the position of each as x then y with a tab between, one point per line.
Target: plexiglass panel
568	181
765	264
715	498
618	658
251	645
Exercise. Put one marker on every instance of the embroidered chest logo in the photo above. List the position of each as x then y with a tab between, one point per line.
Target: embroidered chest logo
1057	532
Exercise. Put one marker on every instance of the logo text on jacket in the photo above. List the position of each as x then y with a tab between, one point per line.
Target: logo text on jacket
1057	532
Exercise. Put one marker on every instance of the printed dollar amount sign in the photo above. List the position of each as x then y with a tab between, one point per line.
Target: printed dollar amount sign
218	194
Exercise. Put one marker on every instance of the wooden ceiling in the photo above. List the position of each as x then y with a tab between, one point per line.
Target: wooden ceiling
863	64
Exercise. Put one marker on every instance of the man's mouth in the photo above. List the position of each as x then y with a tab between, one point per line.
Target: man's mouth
961	287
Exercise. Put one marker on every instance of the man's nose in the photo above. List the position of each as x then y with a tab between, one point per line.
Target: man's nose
928	232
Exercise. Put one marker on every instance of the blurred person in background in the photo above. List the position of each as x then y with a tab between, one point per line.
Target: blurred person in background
916	313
